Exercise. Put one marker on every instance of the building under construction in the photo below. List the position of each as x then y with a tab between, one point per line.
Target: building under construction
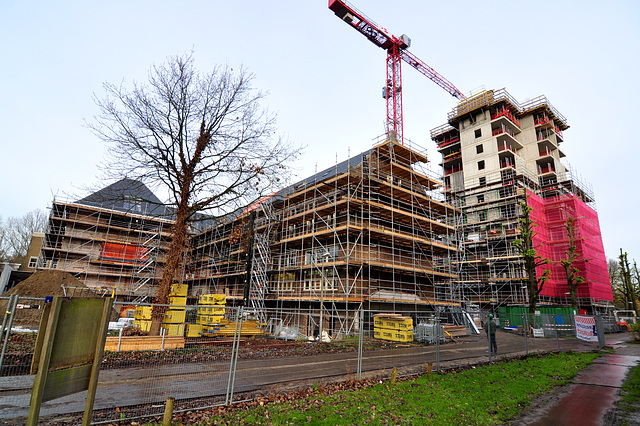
497	154
372	232
114	240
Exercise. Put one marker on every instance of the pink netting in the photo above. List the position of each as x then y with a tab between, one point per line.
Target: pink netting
552	242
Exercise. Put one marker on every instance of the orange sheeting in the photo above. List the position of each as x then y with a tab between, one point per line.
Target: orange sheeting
123	252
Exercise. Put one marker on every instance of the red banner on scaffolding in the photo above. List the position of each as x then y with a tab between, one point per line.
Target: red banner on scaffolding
123	252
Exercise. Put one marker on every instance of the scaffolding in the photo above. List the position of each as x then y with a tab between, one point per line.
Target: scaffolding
497	154
372	232
109	250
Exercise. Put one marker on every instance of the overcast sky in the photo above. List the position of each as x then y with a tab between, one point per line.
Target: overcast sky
324	80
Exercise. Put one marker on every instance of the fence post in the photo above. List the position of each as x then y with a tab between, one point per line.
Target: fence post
162	334
12	313
7	312
360	339
488	325
168	411
555	324
526	332
120	339
438	341
234	356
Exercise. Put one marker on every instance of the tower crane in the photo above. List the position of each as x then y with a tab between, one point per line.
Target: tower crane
396	48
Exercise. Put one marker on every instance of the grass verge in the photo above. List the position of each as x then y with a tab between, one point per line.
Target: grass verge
488	394
630	396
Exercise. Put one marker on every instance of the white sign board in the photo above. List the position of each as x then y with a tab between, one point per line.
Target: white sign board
586	328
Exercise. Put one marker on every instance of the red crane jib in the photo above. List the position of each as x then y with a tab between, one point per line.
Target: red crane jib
396	53
378	35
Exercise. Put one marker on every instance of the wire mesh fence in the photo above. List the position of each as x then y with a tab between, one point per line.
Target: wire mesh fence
209	354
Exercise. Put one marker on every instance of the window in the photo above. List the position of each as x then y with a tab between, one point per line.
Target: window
478	133
479	149
482	181
481	165
482	215
33	262
481	198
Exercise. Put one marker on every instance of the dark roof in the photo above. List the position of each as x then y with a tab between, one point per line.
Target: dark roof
280	195
128	196
325	174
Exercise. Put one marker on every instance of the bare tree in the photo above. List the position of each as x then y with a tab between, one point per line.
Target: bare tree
203	136
16	234
629	288
619	289
524	246
573	279
3	242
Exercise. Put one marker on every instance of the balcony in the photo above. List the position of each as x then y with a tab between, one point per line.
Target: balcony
546	152
546	170
450	140
504	134
505	147
546	135
507	163
502	129
542	120
506	113
558	131
454	169
450	157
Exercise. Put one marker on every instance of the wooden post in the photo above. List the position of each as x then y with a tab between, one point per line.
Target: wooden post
43	364
394	373
168	411
429	367
97	360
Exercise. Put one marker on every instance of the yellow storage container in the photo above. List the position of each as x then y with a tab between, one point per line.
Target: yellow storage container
209	319
179	290
174	317
178	301
173	329
393	335
142	313
194	330
393	322
205	299
212	299
210	310
143	325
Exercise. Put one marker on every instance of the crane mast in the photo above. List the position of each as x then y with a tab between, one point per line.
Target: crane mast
397	52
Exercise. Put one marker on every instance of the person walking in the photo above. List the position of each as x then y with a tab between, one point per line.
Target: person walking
490	328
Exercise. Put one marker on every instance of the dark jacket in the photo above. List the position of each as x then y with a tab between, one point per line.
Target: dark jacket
490	326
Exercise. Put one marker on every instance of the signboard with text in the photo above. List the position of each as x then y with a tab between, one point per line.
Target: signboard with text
590	329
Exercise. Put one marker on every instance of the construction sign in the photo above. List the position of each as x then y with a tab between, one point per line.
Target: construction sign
69	351
590	329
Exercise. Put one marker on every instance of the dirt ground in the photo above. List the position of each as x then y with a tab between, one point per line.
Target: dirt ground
44	283
38	286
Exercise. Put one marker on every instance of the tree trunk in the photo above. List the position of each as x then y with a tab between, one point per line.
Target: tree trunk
172	269
574	297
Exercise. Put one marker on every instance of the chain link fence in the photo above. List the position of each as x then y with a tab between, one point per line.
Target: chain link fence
210	354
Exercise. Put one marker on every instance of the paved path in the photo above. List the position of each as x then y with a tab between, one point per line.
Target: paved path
595	390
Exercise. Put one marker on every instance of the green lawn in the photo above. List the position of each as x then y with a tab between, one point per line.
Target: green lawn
488	394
